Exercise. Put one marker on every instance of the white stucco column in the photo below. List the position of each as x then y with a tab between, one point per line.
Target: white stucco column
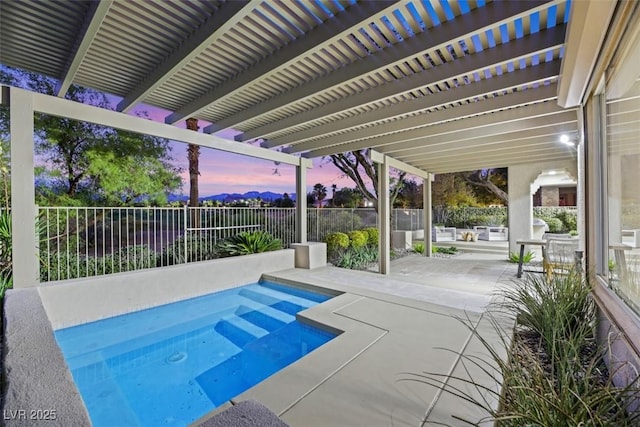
520	205
384	211
301	200
26	267
428	217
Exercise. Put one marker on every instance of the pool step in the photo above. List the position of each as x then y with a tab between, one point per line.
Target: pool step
239	331
262	320
271	301
295	295
259	360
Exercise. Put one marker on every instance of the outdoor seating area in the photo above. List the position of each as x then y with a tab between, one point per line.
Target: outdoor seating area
491	233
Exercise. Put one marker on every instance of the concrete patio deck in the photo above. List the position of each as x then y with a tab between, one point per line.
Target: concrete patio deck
396	326
421	318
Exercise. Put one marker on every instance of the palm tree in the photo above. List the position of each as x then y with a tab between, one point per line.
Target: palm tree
193	155
334	187
319	192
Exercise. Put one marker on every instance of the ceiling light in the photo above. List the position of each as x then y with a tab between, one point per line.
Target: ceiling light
564	138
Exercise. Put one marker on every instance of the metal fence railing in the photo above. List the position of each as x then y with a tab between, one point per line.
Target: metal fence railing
83	242
90	241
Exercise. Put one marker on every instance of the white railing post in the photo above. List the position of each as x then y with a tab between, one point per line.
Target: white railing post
185	229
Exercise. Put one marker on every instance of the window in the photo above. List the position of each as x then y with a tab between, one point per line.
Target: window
623	194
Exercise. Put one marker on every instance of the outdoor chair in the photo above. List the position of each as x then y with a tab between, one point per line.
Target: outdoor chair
443	234
559	255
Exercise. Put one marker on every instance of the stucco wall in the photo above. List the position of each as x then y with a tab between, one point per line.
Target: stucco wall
73	302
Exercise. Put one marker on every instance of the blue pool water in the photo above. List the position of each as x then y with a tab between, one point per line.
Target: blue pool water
170	365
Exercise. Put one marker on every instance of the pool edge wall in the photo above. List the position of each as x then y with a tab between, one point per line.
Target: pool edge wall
73	302
39	389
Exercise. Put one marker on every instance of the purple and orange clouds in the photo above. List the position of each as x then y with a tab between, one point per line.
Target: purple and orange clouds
222	172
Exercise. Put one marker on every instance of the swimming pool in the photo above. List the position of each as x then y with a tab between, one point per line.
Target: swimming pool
171	364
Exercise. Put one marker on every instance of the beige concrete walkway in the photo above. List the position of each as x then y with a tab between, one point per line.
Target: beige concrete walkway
423	318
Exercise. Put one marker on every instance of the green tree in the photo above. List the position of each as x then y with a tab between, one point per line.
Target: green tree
452	189
410	196
311	199
105	162
356	165
319	193
347	198
284	202
334	188
490	185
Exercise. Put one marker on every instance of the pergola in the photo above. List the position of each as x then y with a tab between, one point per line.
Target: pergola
427	86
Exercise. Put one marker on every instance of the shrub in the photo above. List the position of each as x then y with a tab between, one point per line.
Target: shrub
200	247
556	308
555	225
63	265
336	241
357	238
373	235
249	243
418	248
569	220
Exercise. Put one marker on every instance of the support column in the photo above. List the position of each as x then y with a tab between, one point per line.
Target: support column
26	267
520	204
301	200
384	217
428	216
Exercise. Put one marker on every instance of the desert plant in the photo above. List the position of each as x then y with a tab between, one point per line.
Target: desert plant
6	244
357	258
357	238
373	235
557	308
527	258
451	250
249	243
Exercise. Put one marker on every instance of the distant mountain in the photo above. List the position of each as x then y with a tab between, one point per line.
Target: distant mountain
231	197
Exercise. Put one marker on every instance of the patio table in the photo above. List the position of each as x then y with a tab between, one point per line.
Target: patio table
530	242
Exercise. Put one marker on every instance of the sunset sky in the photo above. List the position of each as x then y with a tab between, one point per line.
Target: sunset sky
222	172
